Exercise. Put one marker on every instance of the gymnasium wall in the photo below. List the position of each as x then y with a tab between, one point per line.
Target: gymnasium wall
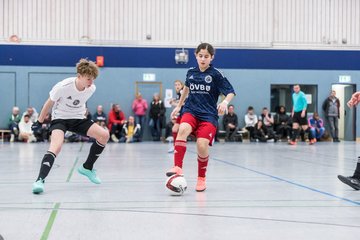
27	73
184	23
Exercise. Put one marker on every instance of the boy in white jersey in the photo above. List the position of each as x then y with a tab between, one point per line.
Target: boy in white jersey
67	100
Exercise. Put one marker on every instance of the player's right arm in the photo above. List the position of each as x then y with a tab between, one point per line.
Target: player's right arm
46	108
184	95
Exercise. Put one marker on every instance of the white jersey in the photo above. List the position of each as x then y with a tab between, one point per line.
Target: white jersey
69	101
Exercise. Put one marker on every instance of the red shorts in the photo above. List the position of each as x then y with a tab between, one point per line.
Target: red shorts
178	120
200	129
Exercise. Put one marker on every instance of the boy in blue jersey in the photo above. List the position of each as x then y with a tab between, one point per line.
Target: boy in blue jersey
299	114
354	180
203	86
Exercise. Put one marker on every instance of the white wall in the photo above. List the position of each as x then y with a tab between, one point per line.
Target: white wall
229	23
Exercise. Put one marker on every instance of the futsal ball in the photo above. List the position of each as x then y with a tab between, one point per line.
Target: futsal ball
176	185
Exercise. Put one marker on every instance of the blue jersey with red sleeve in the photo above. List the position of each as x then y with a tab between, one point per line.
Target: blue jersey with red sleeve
204	91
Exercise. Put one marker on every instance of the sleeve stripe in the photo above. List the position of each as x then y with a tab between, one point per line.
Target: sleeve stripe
220	72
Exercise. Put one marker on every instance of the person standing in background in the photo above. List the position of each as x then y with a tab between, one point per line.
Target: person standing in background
331	107
139	107
299	114
157	117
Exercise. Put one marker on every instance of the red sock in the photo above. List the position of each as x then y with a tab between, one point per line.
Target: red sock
179	152
174	136
202	165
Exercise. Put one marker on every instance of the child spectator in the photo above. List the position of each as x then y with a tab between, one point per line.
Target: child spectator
250	121
268	122
282	123
26	134
131	131
316	125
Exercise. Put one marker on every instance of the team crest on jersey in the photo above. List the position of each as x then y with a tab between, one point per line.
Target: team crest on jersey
208	79
207	88
76	102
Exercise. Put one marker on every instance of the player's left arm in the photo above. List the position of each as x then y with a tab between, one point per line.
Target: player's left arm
222	107
227	90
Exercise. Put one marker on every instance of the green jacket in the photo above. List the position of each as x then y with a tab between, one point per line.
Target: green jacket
13	118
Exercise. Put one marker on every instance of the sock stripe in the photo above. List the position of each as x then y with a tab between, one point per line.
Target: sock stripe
203	159
100	144
180	143
52	154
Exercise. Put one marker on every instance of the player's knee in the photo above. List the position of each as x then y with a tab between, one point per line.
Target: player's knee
175	128
202	147
104	136
183	132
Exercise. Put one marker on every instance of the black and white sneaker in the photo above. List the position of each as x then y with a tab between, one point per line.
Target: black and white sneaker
351	181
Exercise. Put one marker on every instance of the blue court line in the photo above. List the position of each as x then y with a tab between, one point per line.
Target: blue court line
287	181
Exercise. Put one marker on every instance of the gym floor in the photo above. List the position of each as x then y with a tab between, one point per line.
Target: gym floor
254	191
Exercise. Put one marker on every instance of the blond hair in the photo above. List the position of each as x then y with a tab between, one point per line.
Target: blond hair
179	81
87	68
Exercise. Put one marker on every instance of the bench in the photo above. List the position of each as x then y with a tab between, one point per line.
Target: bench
240	133
4	132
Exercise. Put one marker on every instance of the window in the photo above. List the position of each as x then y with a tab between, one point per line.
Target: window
281	94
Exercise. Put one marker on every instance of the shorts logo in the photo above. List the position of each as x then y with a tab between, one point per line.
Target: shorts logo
76	102
208	79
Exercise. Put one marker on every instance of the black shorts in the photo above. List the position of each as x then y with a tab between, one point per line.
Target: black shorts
300	120
80	126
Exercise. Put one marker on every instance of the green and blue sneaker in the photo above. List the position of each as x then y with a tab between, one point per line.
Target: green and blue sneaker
91	174
38	186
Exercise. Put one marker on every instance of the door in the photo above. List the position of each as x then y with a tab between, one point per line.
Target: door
349	118
147	90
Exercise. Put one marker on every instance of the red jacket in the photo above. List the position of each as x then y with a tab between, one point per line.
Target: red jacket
112	118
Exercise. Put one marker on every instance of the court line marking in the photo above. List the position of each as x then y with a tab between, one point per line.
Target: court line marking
50	222
288	181
72	169
74	165
53	214
211	215
57	208
284	180
310	154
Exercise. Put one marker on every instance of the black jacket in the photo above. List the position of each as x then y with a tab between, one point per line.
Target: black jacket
157	111
233	119
326	106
